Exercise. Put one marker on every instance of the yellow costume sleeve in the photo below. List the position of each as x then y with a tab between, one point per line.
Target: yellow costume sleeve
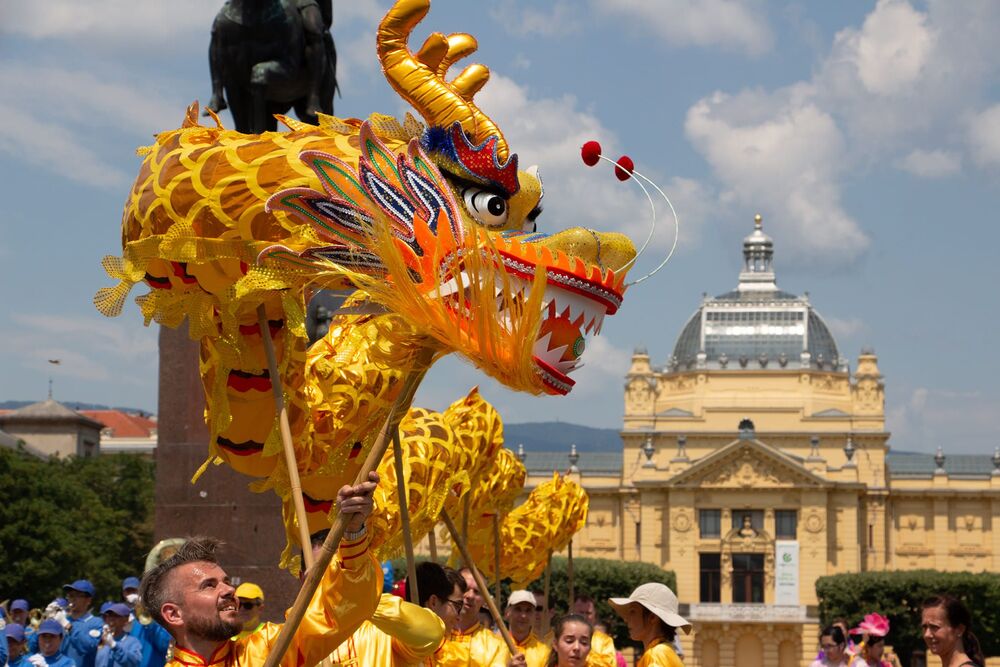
660	655
346	597
536	652
416	632
602	651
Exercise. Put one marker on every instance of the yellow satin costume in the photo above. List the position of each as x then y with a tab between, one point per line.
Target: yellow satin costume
347	595
602	651
400	633
475	647
536	651
660	654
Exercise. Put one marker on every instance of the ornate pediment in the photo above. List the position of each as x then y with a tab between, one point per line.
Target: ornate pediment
747	464
831	412
675	412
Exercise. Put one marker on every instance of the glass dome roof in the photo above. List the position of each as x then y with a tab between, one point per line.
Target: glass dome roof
756	325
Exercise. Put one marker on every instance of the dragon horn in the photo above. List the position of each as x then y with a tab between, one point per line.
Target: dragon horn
420	79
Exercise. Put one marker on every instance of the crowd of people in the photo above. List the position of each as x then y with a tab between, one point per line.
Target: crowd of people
185	613
946	626
67	632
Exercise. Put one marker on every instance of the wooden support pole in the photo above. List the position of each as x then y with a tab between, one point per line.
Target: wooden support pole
496	553
480	582
286	437
336	534
404	515
432	544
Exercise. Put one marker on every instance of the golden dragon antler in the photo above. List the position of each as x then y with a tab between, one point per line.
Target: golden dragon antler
420	78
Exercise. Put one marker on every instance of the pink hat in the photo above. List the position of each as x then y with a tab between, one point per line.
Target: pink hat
874	624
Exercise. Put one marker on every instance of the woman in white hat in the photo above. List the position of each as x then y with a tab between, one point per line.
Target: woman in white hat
652	618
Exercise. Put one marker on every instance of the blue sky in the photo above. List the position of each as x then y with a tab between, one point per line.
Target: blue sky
866	134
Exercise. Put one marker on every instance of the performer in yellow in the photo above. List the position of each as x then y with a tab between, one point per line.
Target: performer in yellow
403	633
189	594
652	618
602	646
520	619
251	601
472	645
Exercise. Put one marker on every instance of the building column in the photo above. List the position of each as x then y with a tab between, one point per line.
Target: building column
942	537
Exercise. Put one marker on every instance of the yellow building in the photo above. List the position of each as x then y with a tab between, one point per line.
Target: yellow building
755	462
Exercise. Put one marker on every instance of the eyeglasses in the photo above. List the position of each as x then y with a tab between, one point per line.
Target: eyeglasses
828	647
456	604
249	605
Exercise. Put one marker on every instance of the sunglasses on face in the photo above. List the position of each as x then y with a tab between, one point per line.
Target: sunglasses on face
456	604
249	605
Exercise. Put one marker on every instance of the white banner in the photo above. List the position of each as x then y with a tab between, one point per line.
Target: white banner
786	572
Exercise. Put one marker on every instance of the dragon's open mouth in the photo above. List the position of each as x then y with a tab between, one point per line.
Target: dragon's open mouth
572	308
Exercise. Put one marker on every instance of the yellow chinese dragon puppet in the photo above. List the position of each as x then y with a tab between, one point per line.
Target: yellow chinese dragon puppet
431	226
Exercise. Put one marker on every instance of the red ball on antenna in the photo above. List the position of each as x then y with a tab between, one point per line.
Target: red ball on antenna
624	168
591	153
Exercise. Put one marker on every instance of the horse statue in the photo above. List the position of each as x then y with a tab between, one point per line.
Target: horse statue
267	56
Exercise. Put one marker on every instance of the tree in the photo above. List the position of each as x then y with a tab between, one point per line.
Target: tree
67	519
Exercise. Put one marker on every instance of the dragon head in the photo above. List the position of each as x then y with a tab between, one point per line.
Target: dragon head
442	231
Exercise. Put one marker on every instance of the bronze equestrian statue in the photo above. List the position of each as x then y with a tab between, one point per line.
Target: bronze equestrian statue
267	56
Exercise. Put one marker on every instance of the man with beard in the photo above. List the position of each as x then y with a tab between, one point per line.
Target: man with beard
189	594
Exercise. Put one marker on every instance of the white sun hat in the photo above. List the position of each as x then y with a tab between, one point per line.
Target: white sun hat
658	599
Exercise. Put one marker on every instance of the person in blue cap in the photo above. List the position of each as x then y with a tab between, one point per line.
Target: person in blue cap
16	646
19	609
82	627
50	640
4	649
118	648
153	638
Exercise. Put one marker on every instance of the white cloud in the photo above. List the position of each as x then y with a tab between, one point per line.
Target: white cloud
930	164
730	24
550	131
984	136
107	23
891	49
559	18
783	155
55	148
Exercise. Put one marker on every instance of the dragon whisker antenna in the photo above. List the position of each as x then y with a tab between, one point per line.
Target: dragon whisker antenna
624	169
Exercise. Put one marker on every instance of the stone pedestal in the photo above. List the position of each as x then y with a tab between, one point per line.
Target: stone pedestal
220	504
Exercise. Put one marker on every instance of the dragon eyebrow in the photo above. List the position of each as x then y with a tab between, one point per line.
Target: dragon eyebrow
535	212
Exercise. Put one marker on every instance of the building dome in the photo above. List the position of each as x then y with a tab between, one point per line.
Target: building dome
756	325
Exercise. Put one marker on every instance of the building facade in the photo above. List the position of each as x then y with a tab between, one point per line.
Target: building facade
756	461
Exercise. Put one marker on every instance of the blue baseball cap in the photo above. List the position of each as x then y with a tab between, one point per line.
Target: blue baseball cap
50	626
62	602
82	586
15	631
116	608
105	607
130	582
19	604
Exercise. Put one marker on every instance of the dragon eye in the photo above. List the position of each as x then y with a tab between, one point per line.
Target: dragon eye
488	208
